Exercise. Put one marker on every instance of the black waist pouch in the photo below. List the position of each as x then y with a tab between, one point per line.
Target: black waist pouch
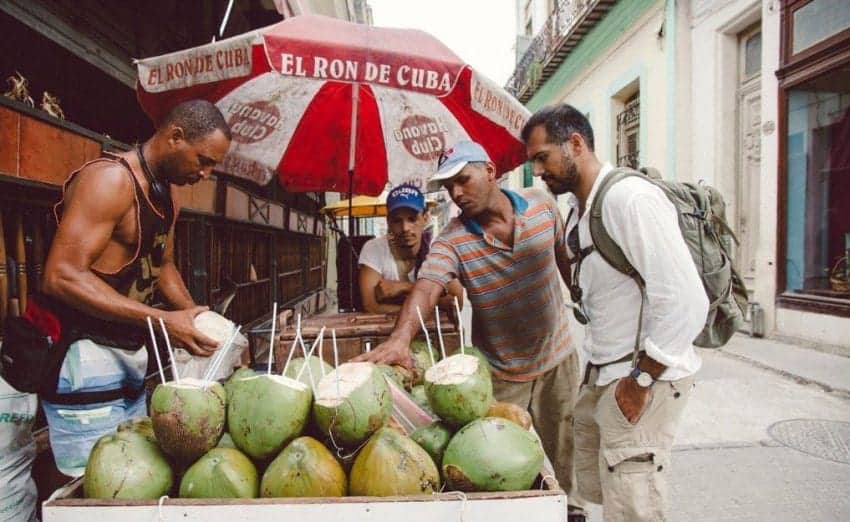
24	354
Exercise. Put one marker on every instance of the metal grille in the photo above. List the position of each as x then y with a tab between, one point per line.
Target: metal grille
628	131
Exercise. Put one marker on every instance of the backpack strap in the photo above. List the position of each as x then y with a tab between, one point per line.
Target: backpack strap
608	248
602	241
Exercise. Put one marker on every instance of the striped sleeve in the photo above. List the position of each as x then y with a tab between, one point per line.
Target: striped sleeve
441	264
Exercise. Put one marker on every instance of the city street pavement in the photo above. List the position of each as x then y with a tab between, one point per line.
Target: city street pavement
765	436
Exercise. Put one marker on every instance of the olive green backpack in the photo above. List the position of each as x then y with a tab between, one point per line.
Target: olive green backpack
702	220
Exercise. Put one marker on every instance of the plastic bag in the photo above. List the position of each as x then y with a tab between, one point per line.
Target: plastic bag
406	412
196	366
18	494
92	367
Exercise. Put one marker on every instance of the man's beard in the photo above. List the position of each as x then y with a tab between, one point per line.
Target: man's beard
168	171
563	184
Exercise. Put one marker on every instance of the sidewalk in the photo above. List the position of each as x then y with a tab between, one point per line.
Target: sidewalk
765	436
807	366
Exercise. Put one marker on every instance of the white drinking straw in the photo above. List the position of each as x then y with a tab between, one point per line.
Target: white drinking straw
174	373
271	339
156	350
427	337
439	331
336	360
459	326
218	362
289	357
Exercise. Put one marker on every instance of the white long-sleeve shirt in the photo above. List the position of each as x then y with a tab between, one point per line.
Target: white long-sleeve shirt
643	223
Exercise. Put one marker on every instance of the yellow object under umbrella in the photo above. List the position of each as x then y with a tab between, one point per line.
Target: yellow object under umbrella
362	207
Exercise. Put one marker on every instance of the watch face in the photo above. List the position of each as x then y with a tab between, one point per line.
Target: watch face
644	379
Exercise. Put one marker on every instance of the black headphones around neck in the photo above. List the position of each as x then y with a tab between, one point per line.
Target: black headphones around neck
160	194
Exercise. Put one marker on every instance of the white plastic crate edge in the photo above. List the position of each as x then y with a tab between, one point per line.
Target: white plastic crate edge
444	507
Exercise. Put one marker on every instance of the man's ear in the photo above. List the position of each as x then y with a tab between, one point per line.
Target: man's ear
490	167
176	135
576	144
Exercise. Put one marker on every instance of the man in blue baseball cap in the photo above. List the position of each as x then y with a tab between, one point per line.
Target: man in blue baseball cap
389	264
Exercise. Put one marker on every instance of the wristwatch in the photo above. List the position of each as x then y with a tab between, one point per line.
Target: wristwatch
643	379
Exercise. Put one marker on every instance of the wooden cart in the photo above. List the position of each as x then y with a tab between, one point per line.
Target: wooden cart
547	504
356	331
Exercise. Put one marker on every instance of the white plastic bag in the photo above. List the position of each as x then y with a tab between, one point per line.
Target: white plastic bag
219	328
18	494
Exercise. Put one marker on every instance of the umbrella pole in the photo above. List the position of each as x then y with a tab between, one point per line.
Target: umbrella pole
355	101
351	259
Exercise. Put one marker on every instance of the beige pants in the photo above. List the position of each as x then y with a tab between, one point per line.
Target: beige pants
550	399
620	465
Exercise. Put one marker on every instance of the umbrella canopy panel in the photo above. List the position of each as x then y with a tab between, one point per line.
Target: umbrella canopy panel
297	94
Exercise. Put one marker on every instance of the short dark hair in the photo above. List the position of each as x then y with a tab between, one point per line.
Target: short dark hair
560	121
197	118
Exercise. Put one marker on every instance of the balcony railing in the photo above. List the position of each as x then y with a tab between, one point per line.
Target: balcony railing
563	30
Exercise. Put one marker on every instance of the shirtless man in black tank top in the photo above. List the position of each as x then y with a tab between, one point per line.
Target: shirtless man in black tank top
115	238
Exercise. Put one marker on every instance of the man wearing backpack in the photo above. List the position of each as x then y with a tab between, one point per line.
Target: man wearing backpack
639	353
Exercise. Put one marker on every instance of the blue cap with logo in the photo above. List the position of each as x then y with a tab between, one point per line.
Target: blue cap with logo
454	159
405	196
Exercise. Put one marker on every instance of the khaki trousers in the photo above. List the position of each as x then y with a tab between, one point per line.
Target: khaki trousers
550	400
620	465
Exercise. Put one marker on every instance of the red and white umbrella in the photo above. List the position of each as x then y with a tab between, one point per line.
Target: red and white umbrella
315	100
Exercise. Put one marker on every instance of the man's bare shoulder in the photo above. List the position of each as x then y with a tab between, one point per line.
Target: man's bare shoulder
106	184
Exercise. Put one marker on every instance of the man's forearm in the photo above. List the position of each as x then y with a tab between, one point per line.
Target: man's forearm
392	292
172	288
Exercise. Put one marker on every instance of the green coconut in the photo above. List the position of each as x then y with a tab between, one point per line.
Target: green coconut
266	412
239	374
226	441
472	350
514	413
492	454
305	468
188	419
352	402
392	464
417	393
459	389
399	374
319	368
433	438
421	360
140	425
221	473
126	465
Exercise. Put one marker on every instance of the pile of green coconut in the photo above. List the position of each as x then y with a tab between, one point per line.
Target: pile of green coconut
322	431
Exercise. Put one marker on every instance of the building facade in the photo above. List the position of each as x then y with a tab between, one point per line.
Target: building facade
750	96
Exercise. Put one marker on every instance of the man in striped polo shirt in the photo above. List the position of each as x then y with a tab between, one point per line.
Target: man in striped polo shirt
506	248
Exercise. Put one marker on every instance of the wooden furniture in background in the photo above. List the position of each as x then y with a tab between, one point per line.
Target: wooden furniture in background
21	262
354	331
4	278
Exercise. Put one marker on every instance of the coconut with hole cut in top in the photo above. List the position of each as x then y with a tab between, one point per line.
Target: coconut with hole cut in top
266	412
459	389
188	418
352	402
